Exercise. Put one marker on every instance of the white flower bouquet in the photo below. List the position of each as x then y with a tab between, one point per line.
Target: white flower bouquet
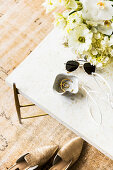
88	28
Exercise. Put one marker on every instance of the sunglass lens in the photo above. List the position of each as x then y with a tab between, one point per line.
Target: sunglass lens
89	68
72	65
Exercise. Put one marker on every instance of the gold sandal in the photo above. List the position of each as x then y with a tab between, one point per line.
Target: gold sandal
35	159
68	154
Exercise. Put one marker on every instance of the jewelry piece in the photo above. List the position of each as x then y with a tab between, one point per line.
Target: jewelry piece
66	84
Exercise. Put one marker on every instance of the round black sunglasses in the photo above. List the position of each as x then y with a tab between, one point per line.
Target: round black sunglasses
73	65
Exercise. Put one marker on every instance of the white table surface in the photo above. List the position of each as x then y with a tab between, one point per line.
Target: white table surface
34	78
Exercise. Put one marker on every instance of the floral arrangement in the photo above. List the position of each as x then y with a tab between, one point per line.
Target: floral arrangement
88	28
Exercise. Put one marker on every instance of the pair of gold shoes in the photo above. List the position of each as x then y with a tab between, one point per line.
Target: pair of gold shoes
64	159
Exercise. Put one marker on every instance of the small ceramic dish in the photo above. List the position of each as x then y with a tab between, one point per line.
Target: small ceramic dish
66	84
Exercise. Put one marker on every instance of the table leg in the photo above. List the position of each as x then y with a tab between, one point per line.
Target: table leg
17	104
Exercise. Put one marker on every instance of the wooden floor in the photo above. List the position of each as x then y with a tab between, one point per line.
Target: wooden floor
23	24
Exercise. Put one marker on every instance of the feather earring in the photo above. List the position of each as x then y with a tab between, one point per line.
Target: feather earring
110	95
96	106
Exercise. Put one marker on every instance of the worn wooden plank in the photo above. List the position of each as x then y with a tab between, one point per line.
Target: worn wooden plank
22	27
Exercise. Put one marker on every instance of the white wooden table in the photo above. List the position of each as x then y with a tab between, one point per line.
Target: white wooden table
34	78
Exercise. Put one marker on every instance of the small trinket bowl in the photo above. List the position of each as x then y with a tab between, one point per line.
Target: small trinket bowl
66	84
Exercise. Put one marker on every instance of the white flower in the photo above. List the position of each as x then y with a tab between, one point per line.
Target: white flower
106	60
105	43
111	40
66	13
60	21
73	4
88	27
94	52
94	30
93	23
106	27
73	20
98	65
97	36
94	62
80	39
97	10
112	53
52	4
